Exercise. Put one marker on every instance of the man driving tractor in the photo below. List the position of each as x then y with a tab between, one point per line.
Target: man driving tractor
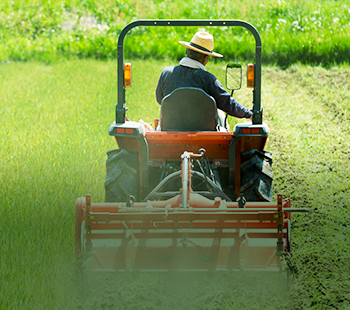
191	72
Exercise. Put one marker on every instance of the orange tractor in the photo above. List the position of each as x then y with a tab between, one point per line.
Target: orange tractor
187	197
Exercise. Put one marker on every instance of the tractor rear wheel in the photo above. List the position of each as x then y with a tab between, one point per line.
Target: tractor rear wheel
256	175
122	176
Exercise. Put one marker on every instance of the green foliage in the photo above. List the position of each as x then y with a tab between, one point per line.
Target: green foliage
310	32
53	143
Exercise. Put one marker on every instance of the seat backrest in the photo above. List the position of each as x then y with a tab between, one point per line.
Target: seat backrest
188	109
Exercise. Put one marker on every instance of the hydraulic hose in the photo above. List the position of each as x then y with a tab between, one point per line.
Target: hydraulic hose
162	183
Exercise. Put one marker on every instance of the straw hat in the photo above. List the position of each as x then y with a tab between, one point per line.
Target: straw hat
202	42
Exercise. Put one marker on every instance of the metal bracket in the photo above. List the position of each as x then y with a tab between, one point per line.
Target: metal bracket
241	201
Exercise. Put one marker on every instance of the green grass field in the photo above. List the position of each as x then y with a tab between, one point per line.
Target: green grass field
53	142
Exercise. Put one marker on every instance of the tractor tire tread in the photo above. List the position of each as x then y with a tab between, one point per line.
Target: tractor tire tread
256	175
122	176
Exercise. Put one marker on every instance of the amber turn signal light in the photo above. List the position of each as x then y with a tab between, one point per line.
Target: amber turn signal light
127	75
250	75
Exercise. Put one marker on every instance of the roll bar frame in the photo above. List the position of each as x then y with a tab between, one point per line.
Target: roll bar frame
120	106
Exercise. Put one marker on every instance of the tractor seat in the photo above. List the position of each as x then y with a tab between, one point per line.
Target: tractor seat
188	109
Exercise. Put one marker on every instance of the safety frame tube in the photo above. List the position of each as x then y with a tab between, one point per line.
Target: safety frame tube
120	107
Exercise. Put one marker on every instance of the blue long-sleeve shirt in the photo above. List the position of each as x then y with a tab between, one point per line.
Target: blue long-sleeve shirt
181	76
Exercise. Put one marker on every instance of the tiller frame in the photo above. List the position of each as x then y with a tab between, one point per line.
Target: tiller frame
184	221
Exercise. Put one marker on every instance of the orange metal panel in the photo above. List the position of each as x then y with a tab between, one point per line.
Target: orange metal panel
168	145
195	225
150	236
178	235
185	216
252	142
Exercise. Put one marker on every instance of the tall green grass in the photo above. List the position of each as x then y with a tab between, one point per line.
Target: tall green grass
311	32
53	125
53	142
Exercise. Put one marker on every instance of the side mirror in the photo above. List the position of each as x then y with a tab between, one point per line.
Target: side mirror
233	76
